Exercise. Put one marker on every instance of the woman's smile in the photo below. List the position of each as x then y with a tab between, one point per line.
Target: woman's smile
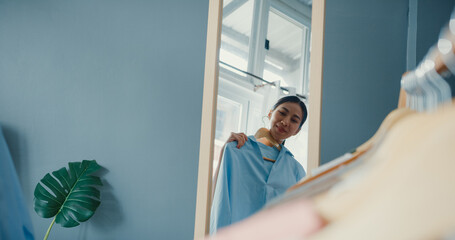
281	129
285	121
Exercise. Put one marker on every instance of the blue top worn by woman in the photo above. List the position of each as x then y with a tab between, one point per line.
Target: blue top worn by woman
246	182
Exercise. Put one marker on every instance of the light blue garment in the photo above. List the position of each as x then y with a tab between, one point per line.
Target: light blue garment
15	223
268	152
245	184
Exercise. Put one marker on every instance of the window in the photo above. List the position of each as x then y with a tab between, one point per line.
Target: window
286	58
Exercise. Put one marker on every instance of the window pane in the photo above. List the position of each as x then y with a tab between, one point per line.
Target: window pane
236	32
283	59
228	117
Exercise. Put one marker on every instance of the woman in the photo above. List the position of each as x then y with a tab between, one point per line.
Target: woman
257	168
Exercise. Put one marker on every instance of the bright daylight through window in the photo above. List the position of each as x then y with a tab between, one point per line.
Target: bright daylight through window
269	40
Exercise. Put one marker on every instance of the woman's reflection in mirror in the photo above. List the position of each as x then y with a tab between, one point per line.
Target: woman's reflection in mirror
255	169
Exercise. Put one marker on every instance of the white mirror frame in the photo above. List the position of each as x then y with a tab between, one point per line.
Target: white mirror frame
209	103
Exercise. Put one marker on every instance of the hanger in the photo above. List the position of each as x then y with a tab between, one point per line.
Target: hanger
425	88
263	136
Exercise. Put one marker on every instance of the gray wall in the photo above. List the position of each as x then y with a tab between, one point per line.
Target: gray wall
431	18
364	58
116	81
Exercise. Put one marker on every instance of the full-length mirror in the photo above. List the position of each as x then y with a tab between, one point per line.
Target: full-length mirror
263	57
263	54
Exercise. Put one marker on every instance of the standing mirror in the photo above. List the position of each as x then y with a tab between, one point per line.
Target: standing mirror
257	52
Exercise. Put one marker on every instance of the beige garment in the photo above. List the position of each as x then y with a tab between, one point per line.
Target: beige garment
405	190
289	221
334	165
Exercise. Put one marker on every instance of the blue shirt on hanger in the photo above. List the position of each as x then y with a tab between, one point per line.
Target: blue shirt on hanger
246	182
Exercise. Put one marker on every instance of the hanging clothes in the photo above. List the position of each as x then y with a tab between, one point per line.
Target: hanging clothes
404	190
292	220
246	182
15	221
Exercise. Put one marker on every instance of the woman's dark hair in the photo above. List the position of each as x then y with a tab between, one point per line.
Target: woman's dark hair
293	99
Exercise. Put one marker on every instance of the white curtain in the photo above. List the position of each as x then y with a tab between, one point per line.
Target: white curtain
271	94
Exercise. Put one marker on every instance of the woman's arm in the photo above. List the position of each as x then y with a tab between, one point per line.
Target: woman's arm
241	138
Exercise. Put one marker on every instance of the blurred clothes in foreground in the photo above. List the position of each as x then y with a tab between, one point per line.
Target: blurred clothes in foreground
15	223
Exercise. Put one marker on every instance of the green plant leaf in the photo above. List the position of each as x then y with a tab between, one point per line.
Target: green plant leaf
69	195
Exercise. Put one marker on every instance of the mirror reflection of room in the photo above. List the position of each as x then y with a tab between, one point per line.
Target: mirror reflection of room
264	55
264	75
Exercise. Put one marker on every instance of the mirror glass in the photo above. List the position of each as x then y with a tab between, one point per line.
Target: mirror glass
264	55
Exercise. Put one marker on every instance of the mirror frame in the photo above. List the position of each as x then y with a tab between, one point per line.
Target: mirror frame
209	103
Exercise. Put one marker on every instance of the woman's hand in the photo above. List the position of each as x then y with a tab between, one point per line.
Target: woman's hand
241	139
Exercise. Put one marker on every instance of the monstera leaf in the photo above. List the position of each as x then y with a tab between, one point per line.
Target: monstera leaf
69	195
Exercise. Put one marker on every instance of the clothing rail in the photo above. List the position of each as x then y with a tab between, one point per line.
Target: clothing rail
261	79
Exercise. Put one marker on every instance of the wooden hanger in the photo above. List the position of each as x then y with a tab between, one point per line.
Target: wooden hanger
439	67
263	136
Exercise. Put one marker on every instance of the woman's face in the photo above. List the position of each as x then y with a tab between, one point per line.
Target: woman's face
285	121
